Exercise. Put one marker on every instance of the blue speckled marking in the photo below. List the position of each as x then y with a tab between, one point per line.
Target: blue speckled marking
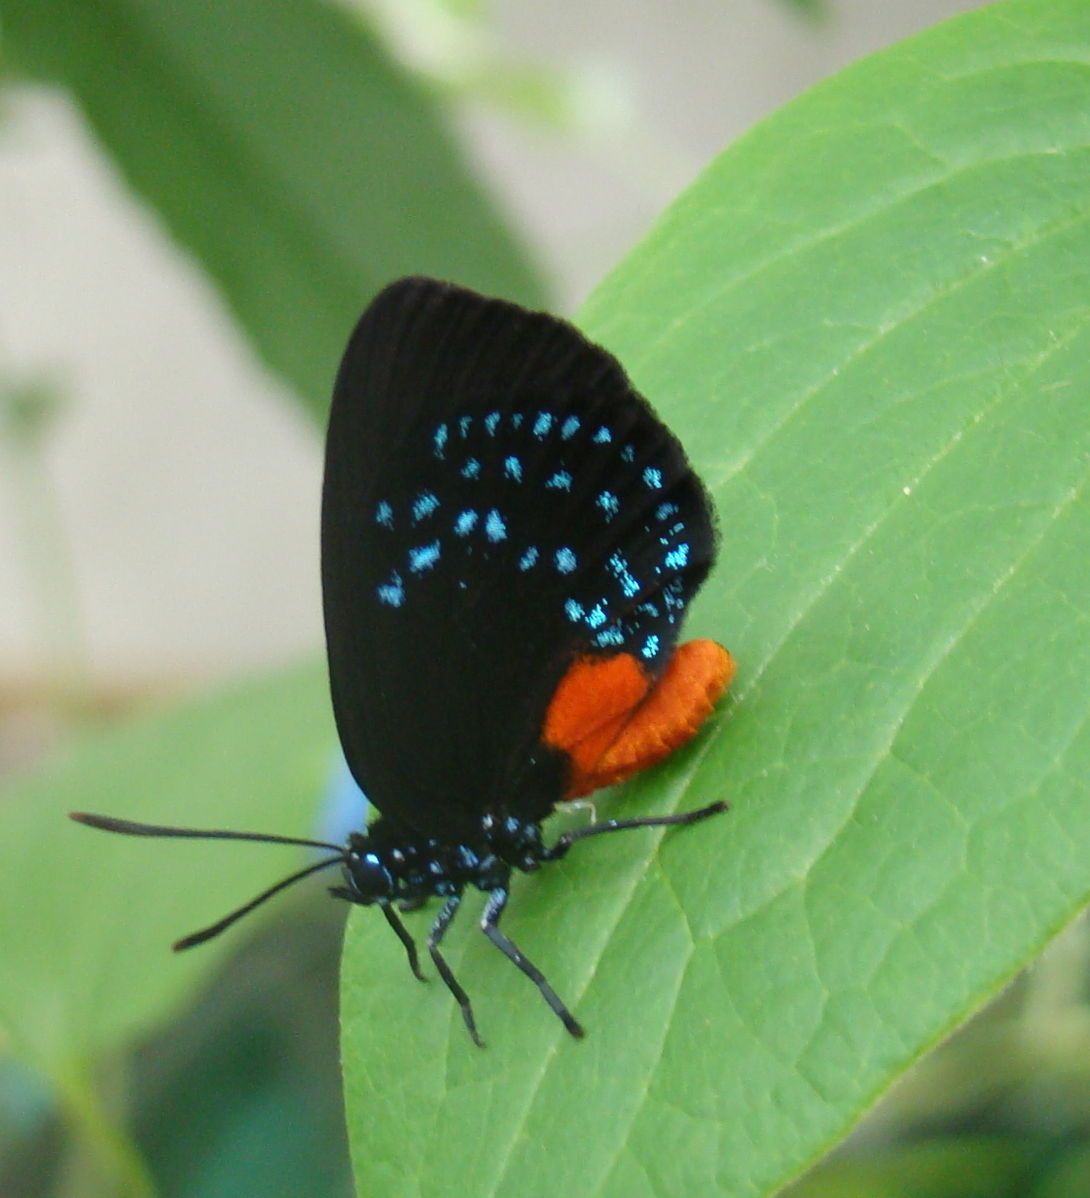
672	599
512	468
464	423
565	560
440	441
603	436
491	421
618	567
494	527
677	559
516	420
596	617
560	481
384	515
423	557
423	506
665	510
650	646
574	610
569	428
652	478
466	522
609	503
392	593
472	468
542	424
529	559
609	636
628	454
648	609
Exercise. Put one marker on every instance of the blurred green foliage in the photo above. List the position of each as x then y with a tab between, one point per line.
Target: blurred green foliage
284	148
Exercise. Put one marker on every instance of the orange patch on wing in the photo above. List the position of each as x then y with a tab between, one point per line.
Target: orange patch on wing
612	722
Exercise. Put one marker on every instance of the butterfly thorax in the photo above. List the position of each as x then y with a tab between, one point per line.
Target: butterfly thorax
388	863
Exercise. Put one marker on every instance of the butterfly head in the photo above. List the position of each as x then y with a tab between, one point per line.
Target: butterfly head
367	876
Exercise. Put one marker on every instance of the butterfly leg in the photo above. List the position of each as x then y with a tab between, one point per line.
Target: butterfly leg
497	900
405	938
435	936
564	843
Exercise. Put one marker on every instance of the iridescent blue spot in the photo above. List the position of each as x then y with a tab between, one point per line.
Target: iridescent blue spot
463	425
392	593
652	478
528	559
516	420
650	646
603	436
609	636
618	566
569	428
596	617
494	528
512	468
574	611
560	481
423	506
424	557
466	522
628	454
673	596
384	515
665	510
440	441
677	558
565	560
490	422
609	503
542	424
472	468
648	609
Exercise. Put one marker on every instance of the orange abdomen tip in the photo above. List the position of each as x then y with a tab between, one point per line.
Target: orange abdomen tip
612	722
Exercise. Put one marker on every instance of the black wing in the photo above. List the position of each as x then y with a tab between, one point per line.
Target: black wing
497	500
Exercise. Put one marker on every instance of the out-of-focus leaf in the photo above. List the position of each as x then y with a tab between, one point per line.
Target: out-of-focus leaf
280	145
87	919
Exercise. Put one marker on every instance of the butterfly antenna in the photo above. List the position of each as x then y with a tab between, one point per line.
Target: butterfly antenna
127	827
234	916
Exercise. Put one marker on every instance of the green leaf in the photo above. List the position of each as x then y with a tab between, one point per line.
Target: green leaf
870	323
88	918
961	1167
283	148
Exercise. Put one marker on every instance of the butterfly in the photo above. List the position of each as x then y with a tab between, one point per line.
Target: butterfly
510	539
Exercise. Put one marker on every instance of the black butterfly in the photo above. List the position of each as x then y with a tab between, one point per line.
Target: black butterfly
510	538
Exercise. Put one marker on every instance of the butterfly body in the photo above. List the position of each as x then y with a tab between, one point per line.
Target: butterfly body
387	864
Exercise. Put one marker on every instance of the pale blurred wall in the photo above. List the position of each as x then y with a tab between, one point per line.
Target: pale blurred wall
187	482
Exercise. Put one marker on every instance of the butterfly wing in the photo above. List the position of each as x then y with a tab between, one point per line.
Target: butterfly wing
498	502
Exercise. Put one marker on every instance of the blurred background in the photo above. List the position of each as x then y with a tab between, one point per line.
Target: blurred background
159	485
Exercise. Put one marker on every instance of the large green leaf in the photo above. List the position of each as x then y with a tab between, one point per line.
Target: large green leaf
88	919
283	148
870	323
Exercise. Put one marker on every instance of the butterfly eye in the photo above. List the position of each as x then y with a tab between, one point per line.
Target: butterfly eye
369	878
